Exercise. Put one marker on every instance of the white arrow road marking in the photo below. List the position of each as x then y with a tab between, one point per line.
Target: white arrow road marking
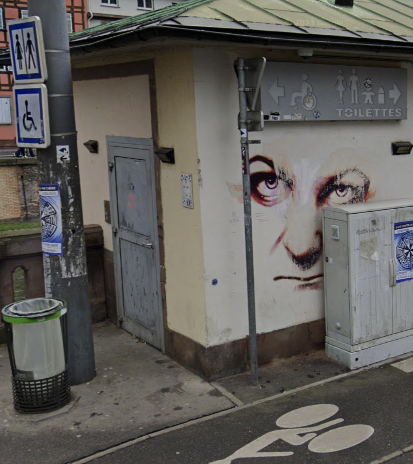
395	94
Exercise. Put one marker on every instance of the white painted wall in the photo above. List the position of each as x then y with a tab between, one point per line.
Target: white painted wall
184	258
118	107
308	155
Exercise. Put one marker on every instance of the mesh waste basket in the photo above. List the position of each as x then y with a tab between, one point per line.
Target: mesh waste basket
36	334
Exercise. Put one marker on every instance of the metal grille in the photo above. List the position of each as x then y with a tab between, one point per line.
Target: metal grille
37	396
10	152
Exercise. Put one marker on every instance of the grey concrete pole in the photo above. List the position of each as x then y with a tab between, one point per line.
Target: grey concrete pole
65	276
243	109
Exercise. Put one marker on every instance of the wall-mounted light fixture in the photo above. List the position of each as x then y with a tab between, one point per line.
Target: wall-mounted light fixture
401	148
305	53
349	3
92	146
166	155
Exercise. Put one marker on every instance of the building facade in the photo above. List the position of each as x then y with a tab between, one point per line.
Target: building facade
103	11
175	88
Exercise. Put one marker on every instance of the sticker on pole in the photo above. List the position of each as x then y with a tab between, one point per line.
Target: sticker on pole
63	154
32	116
51	219
27	50
403	252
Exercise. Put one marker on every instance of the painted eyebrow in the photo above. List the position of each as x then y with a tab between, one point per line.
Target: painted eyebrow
263	159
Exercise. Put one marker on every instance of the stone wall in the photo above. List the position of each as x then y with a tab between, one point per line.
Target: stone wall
23	251
19	191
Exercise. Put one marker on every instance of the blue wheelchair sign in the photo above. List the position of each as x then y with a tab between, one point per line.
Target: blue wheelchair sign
32	116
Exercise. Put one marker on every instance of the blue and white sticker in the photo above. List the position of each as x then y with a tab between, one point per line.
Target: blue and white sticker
403	251
51	219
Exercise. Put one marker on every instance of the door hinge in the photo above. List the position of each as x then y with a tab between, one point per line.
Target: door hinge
110	165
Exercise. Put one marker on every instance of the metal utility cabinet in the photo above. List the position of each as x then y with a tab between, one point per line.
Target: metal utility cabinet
368	275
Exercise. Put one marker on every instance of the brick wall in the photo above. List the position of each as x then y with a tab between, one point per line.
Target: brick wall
25	251
19	191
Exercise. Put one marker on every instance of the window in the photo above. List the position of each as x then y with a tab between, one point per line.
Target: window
5	110
1	19
109	2
69	22
145	4
25	14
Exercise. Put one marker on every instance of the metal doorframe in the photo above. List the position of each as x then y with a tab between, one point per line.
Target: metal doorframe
145	144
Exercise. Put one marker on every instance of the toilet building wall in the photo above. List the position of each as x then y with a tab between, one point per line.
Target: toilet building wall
107	107
298	168
159	105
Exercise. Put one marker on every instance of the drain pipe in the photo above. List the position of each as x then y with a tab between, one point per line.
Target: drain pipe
24	198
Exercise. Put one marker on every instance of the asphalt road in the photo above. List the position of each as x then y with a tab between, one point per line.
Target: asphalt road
352	420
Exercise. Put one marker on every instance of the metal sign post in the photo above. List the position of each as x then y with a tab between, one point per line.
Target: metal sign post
63	240
250	71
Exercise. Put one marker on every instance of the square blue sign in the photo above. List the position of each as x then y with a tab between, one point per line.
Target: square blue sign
32	116
27	50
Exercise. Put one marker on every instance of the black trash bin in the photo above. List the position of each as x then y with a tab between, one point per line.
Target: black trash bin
36	334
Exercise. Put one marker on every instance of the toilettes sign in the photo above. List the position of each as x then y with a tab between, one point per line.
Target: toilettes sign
312	92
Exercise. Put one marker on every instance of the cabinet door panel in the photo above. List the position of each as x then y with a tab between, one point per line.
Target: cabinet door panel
371	252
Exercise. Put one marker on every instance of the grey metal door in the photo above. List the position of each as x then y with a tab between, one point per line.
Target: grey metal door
135	239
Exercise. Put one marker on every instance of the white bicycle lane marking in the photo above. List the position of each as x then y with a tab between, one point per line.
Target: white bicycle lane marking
298	427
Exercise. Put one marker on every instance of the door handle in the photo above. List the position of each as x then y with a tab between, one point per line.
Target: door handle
392	264
114	230
148	245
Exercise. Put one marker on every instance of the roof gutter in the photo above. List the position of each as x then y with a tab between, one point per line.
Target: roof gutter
151	34
282	39
289	40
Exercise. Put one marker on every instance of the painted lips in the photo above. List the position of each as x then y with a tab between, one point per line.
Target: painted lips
308	283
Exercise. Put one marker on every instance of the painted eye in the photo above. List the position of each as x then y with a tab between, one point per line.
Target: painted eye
342	190
351	186
271	181
269	189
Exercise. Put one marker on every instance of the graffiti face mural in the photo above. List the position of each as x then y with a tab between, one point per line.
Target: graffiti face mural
289	188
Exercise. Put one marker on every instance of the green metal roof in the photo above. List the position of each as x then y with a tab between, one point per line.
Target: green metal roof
376	20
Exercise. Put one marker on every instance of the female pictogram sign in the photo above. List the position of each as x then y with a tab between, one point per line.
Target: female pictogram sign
298	427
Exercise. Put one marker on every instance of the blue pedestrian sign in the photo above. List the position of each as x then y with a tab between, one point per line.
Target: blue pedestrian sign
32	116
27	50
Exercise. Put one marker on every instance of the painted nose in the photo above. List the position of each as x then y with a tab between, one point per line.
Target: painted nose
303	239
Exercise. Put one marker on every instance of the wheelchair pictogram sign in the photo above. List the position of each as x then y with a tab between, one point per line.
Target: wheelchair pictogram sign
32	116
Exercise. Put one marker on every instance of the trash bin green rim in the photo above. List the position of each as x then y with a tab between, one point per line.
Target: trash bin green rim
27	320
33	315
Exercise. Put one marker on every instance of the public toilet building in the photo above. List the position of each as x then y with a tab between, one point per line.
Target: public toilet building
159	94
